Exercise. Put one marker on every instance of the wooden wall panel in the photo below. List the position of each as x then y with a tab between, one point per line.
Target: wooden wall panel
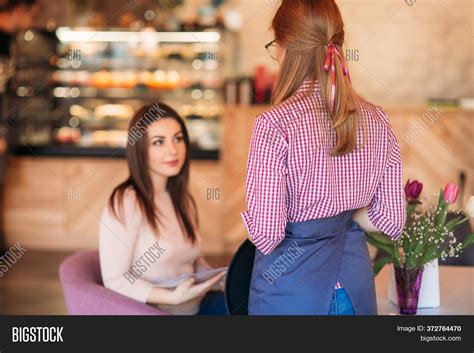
56	203
90	183
440	153
237	131
205	186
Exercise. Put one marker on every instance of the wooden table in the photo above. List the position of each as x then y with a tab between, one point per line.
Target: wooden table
456	292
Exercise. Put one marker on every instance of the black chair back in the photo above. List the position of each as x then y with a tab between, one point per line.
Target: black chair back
238	277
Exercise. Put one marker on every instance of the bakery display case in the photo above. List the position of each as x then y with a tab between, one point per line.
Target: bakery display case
93	81
28	107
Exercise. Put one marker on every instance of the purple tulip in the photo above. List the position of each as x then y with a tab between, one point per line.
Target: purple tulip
413	190
450	193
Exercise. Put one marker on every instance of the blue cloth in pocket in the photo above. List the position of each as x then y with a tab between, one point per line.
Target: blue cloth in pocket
341	303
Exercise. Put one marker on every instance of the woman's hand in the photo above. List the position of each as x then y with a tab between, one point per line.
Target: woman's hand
219	286
187	290
361	216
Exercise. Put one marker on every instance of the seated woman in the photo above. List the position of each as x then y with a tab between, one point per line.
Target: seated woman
148	230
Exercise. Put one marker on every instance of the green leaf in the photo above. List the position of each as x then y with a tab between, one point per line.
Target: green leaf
416	245
441	210
389	249
425	224
406	242
453	223
411	243
411	207
468	241
380	263
431	254
441	197
412	259
381	238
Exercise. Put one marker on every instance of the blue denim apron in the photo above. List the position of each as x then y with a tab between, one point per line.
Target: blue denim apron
299	276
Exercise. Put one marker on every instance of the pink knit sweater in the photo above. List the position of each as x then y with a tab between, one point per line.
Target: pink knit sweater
133	259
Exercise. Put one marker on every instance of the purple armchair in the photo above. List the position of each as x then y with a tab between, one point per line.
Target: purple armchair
85	294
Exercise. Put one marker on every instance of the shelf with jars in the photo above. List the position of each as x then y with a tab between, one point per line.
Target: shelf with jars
97	79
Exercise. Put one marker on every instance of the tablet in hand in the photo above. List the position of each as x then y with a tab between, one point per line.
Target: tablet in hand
199	277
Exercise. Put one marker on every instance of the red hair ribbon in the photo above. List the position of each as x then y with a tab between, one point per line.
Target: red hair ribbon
330	59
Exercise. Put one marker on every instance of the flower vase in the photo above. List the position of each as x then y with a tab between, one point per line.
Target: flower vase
429	292
408	282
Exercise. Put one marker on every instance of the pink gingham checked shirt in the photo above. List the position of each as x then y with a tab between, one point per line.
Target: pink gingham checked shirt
291	176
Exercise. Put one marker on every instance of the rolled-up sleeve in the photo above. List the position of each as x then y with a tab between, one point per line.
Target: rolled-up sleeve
266	215
387	210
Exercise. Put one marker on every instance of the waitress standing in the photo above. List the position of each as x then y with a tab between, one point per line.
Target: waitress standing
324	165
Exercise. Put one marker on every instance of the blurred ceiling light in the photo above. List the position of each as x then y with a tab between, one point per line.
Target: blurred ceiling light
29	36
66	34
149	15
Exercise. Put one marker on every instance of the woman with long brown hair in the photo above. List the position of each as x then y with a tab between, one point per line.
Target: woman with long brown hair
148	230
324	165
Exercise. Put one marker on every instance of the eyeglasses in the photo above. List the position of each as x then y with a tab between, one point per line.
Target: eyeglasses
271	49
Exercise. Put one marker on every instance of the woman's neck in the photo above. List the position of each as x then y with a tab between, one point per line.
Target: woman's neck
159	183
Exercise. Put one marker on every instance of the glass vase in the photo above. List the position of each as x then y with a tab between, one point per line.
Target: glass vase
408	288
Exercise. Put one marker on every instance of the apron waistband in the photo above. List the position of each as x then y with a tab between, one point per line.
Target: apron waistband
320	227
